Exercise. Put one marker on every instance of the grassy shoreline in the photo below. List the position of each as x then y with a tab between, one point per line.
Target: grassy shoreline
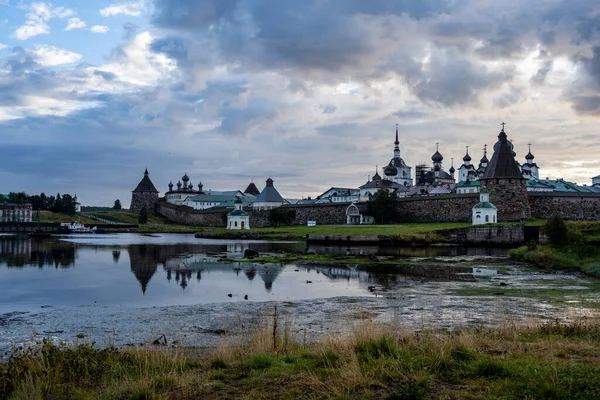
550	361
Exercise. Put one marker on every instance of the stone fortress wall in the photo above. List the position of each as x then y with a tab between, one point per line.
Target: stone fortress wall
442	208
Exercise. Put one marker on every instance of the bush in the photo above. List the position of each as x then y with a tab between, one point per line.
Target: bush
281	216
518	253
143	217
556	230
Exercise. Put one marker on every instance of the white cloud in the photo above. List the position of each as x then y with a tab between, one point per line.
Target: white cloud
37	20
3	46
32	27
50	56
131	9
99	29
75	23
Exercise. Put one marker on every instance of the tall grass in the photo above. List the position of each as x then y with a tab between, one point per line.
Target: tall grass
270	361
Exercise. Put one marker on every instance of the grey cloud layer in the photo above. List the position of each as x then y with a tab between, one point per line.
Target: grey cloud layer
301	89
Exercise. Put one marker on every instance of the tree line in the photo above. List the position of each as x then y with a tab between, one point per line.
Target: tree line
59	204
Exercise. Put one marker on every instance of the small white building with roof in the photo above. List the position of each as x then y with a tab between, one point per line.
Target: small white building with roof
358	214
484	212
238	218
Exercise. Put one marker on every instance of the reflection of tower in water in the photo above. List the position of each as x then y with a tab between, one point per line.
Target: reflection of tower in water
268	274
116	254
143	263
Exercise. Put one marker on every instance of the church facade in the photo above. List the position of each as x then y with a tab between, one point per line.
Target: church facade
397	170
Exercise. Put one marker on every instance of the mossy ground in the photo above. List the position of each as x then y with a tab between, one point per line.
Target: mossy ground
550	361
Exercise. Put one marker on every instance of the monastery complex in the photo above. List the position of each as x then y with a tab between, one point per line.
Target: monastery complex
495	189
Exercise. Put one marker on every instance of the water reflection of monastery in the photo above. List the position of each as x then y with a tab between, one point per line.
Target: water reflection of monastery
183	263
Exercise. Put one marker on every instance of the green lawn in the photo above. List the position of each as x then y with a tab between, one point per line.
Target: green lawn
127	217
160	224
50	217
357	230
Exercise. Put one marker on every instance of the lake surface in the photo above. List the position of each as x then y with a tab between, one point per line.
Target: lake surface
173	269
127	288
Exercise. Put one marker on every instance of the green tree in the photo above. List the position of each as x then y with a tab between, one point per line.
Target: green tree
18	198
117	205
556	230
383	206
68	204
143	216
281	216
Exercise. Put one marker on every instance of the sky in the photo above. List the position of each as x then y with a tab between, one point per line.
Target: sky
307	92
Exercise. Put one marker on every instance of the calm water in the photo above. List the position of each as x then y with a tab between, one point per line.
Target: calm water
130	288
172	269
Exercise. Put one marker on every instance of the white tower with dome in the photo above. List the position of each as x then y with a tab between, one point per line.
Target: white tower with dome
397	171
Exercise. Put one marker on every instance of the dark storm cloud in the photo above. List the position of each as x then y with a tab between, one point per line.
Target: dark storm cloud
290	34
592	65
172	47
452	80
587	104
329	41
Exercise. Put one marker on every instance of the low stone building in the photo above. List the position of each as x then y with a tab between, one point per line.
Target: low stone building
144	195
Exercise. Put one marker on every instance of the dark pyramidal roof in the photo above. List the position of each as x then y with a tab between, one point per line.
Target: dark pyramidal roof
252	189
146	184
503	164
270	194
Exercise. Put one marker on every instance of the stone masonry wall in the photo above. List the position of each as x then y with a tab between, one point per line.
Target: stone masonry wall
443	208
570	205
188	216
492	234
324	214
510	198
140	200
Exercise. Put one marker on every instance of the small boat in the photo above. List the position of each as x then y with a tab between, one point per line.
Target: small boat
76	227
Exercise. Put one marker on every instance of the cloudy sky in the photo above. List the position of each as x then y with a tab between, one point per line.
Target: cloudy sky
307	92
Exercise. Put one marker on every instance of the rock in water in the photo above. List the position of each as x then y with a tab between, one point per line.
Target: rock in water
249	253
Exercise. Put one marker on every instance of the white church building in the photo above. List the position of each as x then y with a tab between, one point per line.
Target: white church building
484	212
238	218
397	171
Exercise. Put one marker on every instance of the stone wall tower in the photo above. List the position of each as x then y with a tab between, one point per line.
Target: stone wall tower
144	195
505	183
